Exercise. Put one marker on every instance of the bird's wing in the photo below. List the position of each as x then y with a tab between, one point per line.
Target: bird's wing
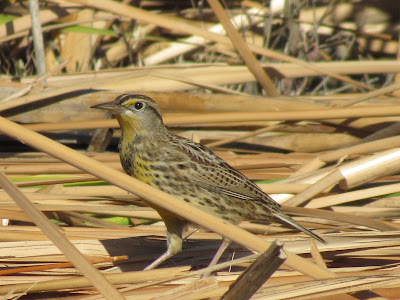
211	172
230	182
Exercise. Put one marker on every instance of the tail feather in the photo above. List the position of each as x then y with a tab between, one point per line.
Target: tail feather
288	220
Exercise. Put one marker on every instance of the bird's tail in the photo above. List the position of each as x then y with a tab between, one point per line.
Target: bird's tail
288	220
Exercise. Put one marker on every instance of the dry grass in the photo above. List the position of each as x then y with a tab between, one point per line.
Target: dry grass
306	94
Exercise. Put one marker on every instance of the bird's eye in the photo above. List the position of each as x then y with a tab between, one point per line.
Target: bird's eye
138	105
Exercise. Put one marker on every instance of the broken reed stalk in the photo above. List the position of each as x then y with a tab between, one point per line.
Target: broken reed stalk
56	181
312	114
385	90
244	51
154	196
29	87
83	282
282	188
49	168
310	166
243	136
367	169
312	172
389	131
257	274
327	201
353	174
317	114
341	217
316	255
197	83
53	232
33	196
331	179
330	287
58	265
365	148
109	210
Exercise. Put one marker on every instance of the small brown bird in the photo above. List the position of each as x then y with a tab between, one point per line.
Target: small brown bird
187	170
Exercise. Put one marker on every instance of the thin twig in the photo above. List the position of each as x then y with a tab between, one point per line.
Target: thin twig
37	37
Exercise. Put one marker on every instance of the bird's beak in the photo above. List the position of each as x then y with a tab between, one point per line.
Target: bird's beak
109	106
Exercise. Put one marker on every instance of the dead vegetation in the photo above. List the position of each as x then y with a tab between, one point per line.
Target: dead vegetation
304	95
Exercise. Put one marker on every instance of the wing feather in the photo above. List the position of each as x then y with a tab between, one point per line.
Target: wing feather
216	175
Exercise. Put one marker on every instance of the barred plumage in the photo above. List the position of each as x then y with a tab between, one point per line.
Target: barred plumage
187	170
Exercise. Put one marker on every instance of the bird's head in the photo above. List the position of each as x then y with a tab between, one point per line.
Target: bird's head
137	113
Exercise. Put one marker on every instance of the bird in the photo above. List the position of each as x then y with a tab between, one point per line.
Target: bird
187	170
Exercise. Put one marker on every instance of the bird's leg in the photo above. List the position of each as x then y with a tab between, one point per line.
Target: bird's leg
174	241
224	245
159	260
